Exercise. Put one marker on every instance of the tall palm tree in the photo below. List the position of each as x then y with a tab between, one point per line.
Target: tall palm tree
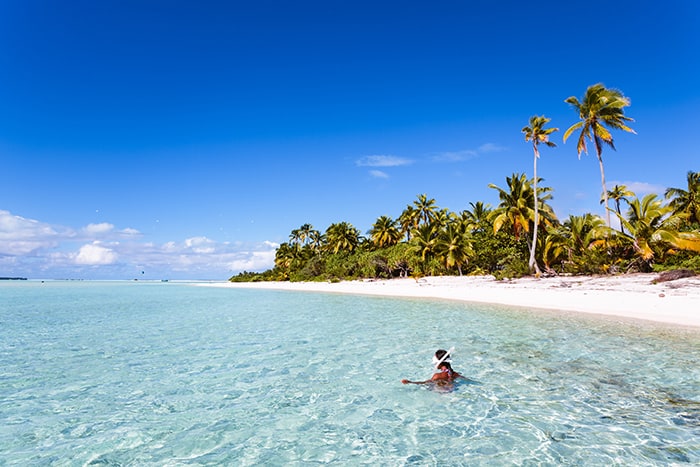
600	109
654	230
537	133
617	194
687	202
384	232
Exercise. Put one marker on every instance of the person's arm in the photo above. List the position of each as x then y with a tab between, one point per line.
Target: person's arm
405	381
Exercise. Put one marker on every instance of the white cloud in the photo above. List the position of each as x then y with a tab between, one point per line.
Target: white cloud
129	232
455	156
104	229
382	161
98	229
490	147
30	248
378	174
21	236
94	254
253	261
201	245
467	154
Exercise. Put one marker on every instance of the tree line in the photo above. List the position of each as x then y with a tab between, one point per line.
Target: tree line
522	234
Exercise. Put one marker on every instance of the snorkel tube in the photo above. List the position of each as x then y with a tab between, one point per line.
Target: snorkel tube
445	358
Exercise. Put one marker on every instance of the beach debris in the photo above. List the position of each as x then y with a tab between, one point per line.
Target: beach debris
673	275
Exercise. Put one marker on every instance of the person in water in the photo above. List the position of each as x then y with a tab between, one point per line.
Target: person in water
444	373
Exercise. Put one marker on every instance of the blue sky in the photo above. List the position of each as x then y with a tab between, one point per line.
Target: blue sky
185	140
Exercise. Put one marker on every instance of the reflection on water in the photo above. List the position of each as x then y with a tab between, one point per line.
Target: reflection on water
170	374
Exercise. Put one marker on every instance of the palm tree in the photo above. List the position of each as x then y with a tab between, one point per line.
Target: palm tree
476	219
284	257
537	133
425	240
409	220
617	194
600	109
654	230
687	202
384	232
295	237
426	208
443	218
454	247
315	240
342	237
516	207
574	238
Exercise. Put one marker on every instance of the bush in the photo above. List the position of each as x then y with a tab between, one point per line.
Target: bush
681	260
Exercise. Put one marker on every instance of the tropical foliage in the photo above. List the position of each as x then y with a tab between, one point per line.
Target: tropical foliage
686	202
520	235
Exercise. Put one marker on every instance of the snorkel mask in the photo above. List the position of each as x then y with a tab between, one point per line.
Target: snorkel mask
445	358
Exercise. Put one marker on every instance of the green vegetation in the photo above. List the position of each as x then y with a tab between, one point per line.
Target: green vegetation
521	235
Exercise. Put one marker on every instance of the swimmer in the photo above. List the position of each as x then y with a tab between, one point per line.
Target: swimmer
444	374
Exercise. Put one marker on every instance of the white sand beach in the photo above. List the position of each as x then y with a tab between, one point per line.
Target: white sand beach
630	296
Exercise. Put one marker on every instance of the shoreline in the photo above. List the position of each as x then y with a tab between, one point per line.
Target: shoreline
629	296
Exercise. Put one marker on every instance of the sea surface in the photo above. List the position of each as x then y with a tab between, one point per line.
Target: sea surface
165	374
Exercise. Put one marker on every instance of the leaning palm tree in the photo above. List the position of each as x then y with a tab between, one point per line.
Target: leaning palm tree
600	109
687	202
617	194
537	133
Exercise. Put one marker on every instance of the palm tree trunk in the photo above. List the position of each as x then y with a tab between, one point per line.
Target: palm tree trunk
599	151
619	213
532	263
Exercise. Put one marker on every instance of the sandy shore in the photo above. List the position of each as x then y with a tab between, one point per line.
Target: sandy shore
630	296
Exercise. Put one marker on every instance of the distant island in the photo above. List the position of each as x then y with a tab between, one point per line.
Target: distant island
13	278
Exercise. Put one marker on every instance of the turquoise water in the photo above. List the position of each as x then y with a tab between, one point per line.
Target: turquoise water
171	374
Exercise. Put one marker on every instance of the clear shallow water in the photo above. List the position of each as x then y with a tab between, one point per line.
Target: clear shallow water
171	374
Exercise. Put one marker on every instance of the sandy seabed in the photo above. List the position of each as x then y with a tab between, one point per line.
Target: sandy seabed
630	296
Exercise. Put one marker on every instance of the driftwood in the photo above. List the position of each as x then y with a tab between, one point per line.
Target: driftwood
673	275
